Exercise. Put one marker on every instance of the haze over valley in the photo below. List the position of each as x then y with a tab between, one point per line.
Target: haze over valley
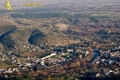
60	40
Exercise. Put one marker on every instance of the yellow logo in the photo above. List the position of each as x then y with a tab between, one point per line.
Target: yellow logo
31	4
8	5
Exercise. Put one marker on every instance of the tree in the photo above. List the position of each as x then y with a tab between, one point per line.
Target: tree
89	49
97	47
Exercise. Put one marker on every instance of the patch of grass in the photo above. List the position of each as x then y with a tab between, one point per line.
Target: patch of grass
6	64
30	54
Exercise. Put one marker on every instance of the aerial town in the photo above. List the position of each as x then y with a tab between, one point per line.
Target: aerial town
96	61
60	40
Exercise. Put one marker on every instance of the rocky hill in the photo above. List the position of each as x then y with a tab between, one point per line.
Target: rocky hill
38	32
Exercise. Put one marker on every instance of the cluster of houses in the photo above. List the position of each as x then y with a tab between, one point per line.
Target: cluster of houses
52	59
58	58
107	72
115	55
108	58
111	56
9	70
3	57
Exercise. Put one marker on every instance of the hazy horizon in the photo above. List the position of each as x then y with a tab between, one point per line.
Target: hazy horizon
16	3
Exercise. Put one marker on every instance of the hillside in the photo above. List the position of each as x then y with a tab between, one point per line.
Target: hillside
36	32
